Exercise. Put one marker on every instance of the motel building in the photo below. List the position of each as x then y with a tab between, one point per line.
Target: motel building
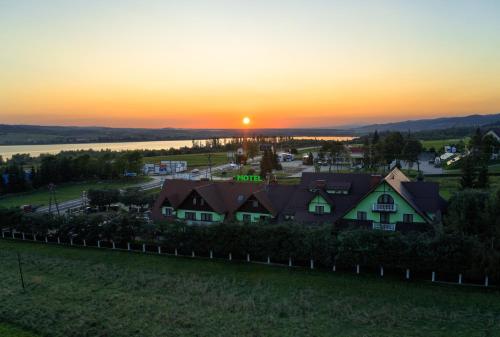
391	203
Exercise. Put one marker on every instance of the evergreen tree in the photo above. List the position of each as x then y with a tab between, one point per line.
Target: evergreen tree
393	147
468	173
475	145
411	151
482	178
266	163
367	153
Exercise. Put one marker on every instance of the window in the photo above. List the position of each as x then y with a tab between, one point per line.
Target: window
247	218
320	209
385	218
361	215
385	199
255	203
167	211
263	218
194	201
202	202
190	216
206	217
408	218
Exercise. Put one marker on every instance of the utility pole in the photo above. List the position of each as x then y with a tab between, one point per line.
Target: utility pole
210	165
52	198
84	200
20	270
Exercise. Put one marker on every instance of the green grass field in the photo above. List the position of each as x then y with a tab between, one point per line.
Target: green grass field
438	144
76	292
65	192
196	160
7	330
449	185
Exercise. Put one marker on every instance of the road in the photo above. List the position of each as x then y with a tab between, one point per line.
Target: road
156	183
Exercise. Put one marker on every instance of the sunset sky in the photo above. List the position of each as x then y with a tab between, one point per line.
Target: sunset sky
282	63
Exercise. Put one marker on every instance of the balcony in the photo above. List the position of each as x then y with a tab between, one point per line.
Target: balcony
384	207
384	226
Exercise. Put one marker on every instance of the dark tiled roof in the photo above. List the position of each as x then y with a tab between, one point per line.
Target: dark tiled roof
223	197
279	200
329	185
360	184
424	194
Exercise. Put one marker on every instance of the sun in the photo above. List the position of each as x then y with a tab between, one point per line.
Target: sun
246	120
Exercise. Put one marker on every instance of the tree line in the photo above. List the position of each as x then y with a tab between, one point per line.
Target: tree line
474	165
62	168
467	242
381	151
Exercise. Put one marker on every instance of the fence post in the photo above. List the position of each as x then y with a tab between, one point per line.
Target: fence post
98	243
58	240
433	276
381	271
192	253
334	268
460	278
159	249
248	257
128	246
230	256
486	281
23	236
46	240
143	247
268	260
357	269
312	264
407	274
34	237
113	243
3	234
175	252
84	243
211	254
71	241
13	235
290	261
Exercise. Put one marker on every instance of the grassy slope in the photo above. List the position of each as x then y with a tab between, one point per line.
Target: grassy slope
65	192
7	330
439	144
193	160
71	292
449	185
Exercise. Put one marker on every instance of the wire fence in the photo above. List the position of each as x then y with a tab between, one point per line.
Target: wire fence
405	274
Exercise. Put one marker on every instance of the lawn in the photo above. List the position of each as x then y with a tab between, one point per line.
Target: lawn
7	330
449	185
76	292
66	192
439	144
196	160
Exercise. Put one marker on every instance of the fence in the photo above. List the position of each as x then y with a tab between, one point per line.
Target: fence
145	248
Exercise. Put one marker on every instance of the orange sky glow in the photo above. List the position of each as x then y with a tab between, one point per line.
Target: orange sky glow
209	64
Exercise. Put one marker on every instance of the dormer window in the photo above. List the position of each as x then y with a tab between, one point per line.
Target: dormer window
255	203
202	202
194	201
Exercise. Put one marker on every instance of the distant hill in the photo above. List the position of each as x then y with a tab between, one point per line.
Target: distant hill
35	134
431	124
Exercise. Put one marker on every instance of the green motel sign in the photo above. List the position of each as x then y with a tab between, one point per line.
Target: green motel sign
248	178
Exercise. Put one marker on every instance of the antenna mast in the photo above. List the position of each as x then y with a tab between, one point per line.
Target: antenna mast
53	199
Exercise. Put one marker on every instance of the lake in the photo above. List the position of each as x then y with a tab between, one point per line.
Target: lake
6	151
